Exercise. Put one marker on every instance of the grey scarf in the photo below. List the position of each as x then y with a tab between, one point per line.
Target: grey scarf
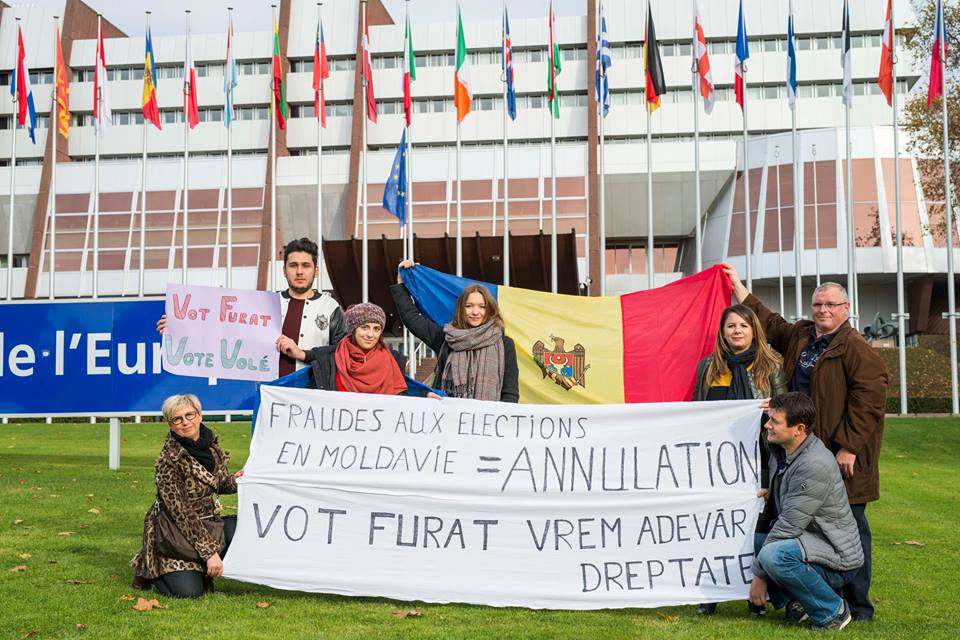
474	367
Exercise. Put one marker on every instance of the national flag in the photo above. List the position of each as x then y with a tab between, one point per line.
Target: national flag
791	62
701	61
102	115
229	77
191	113
846	56
321	71
653	70
553	68
151	110
597	350
462	89
938	55
62	92
22	92
743	52
506	65
604	62
395	190
279	91
368	72
409	73
885	77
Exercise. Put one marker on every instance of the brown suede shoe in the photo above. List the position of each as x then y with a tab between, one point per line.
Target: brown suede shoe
141	584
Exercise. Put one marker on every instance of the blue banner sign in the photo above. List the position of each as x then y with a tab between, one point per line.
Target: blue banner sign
95	358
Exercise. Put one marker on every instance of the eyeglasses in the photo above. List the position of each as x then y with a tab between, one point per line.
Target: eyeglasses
829	306
178	420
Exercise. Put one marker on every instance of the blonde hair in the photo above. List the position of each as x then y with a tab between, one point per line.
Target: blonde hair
174	403
766	362
492	308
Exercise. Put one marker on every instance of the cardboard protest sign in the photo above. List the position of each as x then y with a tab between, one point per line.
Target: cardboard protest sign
544	506
213	332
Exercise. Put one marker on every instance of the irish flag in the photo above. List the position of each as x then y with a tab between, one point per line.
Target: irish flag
462	91
638	347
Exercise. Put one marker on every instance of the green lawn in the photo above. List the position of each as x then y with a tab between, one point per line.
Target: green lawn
74	525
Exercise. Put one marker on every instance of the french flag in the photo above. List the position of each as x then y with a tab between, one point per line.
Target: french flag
21	91
743	52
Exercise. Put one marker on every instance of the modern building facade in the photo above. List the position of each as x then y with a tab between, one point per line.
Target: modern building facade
433	166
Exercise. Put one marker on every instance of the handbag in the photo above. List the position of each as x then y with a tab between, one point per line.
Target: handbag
171	543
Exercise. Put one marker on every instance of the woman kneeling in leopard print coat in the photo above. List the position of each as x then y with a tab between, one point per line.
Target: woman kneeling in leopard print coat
190	469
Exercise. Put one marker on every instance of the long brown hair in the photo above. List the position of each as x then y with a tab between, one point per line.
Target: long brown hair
764	364
490	303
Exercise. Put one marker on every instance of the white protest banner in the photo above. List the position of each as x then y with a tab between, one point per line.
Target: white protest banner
543	506
213	332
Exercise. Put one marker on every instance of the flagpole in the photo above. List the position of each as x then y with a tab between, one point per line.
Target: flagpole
851	241
816	216
902	316
13	168
948	200
747	241
274	129
143	196
96	169
55	123
602	222
650	248
228	80
408	201
186	157
506	171
798	223
553	195
319	117
776	156
365	267
698	238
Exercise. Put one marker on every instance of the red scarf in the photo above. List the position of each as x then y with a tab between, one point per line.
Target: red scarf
374	371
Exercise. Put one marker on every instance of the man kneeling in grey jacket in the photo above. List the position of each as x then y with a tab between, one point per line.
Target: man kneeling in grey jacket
813	544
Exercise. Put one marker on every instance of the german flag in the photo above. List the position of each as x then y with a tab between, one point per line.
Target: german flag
653	70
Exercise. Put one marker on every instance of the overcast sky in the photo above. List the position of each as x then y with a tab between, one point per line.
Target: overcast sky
209	16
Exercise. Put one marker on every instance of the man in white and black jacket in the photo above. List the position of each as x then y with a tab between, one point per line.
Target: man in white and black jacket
311	318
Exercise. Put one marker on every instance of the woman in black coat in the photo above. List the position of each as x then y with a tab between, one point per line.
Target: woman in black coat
474	358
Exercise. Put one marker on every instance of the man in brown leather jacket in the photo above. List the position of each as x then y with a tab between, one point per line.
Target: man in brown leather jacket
832	363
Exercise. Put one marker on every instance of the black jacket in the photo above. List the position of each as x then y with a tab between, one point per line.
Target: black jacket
323	368
432	335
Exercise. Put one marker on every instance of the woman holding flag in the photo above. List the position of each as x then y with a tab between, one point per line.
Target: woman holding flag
741	367
475	359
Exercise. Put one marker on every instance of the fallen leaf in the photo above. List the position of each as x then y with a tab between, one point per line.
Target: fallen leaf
114	578
410	613
65	533
78	581
667	617
126	597
18	521
93	510
84	525
19	568
24	556
21	481
263	604
52	562
81	627
29	634
89	496
915	543
146	605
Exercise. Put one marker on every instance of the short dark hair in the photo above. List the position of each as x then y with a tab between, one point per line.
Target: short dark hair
306	245
797	408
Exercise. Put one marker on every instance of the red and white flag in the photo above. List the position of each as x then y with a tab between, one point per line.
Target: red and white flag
702	61
885	79
190	111
368	73
102	116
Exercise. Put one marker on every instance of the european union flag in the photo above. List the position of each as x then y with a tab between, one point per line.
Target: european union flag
395	191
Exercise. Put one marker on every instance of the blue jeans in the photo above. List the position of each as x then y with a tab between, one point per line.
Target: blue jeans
790	578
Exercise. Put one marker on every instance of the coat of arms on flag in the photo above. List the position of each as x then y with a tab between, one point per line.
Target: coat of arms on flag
566	368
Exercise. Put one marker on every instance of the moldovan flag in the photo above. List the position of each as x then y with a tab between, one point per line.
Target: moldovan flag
462	91
638	347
